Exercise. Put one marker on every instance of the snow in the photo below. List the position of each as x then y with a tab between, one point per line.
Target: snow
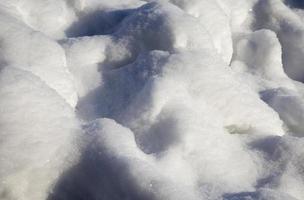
154	100
33	51
39	134
289	29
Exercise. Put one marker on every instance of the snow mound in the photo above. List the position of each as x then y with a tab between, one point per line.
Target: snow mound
33	51
39	134
151	100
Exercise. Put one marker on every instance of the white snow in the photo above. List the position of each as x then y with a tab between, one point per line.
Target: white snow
151	100
39	134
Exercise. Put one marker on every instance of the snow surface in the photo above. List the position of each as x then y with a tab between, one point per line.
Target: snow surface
151	100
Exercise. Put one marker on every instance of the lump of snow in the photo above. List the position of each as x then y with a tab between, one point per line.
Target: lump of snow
39	135
156	100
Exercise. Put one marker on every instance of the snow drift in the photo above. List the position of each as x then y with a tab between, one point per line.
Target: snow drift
151	100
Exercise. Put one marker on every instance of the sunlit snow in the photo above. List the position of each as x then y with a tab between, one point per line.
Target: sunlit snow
151	100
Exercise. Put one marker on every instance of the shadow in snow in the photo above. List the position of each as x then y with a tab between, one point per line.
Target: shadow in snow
98	176
241	196
269	148
295	3
97	23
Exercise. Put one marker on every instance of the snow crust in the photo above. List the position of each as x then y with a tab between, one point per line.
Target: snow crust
151	100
